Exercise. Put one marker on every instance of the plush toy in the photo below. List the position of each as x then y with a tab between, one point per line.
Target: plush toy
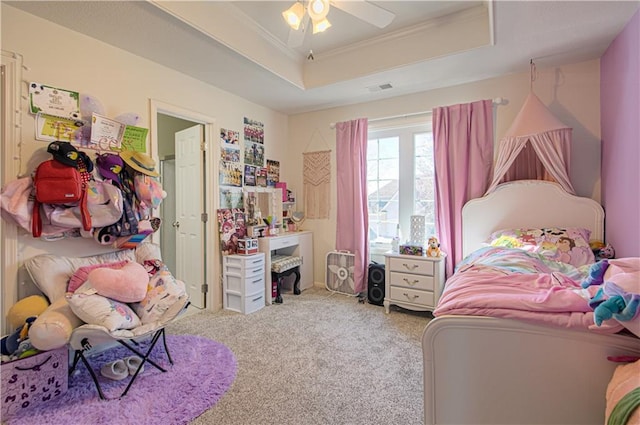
606	251
602	250
16	343
33	305
618	297
433	248
127	284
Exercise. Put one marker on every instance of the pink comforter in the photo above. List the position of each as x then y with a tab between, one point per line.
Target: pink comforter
514	284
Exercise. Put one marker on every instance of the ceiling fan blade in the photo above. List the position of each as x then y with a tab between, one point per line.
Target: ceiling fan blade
366	11
296	37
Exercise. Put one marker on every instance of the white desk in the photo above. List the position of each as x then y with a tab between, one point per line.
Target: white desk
299	244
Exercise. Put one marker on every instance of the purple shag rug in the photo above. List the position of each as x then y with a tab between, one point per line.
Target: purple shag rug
202	371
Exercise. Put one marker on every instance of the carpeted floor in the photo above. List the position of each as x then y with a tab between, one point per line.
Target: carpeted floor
318	358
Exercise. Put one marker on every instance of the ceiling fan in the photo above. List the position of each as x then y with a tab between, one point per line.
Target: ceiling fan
302	11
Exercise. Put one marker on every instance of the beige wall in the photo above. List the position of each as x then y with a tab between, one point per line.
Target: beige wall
572	93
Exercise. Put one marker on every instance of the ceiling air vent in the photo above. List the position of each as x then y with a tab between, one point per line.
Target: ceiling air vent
380	87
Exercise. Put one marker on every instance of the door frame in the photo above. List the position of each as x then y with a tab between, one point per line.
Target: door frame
213	298
10	160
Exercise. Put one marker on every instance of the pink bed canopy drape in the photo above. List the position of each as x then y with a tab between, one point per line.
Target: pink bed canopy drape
537	146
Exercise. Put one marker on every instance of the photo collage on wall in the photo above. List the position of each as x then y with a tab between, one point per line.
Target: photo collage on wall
232	227
242	163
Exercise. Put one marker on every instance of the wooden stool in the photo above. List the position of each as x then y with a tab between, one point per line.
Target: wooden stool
282	266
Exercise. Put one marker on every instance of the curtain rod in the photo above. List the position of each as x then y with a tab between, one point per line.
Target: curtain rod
496	101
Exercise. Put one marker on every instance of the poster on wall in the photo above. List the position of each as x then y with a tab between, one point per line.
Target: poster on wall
106	134
231	198
54	101
229	154
273	172
134	139
232	226
254	154
230	173
229	137
249	175
261	176
50	128
253	131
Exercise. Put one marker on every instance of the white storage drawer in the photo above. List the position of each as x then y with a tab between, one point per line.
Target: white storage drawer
249	285
414	281
412	296
244	304
243	282
408	265
243	265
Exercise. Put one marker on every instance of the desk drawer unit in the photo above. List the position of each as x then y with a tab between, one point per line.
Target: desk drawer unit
413	282
243	282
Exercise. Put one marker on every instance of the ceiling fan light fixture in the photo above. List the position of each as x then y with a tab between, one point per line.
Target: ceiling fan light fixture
293	16
318	9
321	26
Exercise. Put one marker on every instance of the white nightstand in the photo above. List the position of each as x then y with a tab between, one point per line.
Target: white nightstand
413	282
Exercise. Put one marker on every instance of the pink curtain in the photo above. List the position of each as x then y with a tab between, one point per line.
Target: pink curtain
463	153
353	213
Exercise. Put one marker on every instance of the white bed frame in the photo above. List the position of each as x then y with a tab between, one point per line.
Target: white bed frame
483	370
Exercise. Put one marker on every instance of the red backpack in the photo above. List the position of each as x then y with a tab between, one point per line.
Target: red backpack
56	183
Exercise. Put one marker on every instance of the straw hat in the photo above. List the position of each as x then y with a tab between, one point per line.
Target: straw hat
140	162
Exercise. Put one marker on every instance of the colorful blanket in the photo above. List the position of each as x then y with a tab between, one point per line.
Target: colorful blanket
515	284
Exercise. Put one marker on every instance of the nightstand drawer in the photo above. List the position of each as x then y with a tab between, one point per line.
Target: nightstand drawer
413	296
409	265
413	281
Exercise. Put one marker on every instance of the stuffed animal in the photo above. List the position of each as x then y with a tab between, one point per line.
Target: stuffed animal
433	247
16	344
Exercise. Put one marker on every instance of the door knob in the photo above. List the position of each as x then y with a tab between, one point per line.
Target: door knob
176	224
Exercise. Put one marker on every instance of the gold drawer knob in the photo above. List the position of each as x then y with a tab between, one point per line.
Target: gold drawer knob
410	267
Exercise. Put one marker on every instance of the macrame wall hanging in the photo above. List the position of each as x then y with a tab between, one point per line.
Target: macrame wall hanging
316	180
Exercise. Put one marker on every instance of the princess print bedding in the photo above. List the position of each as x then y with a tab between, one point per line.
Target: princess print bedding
517	284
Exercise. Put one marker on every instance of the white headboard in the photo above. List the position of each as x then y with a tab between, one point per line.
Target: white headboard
527	204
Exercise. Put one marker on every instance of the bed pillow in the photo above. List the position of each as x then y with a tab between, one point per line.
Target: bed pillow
569	245
98	310
164	292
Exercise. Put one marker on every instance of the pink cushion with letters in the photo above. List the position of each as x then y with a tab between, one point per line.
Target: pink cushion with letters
127	284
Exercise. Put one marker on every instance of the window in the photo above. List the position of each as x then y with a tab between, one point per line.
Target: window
400	183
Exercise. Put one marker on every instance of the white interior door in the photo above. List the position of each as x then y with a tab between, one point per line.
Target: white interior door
190	229
168	213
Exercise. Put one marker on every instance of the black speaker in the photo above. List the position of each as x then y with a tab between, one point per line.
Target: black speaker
375	291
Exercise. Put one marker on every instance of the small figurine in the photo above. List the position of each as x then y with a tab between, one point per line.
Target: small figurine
433	248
